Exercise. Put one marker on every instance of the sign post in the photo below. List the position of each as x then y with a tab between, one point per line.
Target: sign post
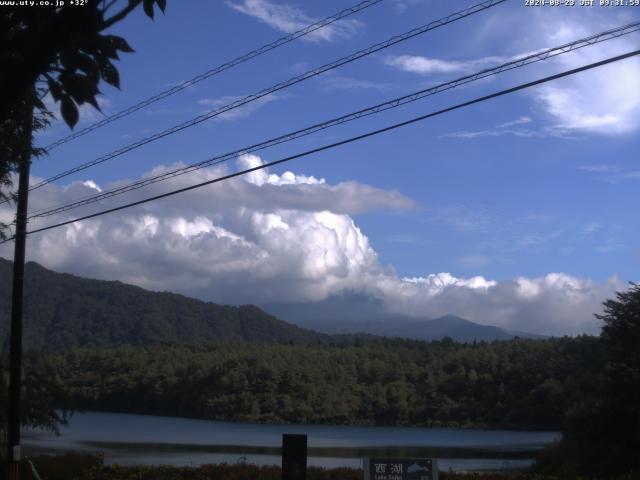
400	469
294	457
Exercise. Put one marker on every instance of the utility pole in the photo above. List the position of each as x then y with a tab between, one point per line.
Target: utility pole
15	362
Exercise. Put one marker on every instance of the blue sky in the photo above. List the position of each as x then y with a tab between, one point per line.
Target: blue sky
505	212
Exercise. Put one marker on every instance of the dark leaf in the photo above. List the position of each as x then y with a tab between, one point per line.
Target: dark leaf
91	44
101	60
89	66
55	89
108	49
94	103
38	152
83	89
69	111
110	74
37	103
148	7
119	43
162	4
68	58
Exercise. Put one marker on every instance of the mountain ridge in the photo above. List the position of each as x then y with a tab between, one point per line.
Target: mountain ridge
350	313
64	311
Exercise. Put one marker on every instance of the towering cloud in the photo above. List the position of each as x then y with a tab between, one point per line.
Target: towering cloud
266	237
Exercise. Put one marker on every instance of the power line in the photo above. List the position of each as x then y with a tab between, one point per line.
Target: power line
216	70
346	141
280	86
396	102
519	62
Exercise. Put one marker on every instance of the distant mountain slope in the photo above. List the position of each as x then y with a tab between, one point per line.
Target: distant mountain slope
64	311
352	313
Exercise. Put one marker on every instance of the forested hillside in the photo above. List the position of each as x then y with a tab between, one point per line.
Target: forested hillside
161	353
65	311
520	383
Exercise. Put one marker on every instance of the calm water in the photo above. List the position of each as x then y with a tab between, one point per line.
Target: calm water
146	439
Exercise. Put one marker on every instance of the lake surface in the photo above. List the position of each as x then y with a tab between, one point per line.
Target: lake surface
147	439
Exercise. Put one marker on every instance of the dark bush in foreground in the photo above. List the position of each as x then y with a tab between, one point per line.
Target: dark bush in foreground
87	467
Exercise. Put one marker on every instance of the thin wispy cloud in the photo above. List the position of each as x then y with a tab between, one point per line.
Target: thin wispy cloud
428	65
469	135
519	121
460	217
338	82
403	5
288	19
424	65
506	128
539	217
241	112
625	176
611	245
600	168
539	239
610	173
591	228
474	261
606	237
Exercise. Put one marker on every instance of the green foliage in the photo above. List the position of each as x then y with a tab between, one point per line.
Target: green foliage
602	432
86	467
516	384
68	466
187	358
64	47
64	311
15	143
45	401
61	51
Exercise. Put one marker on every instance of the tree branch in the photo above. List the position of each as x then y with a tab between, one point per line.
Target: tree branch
108	5
121	14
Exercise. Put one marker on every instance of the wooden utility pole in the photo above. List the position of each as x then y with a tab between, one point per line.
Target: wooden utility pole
15	362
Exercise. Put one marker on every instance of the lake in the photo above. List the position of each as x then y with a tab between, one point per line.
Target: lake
147	439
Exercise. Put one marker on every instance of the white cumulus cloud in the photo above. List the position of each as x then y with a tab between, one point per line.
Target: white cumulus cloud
268	237
604	100
556	303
